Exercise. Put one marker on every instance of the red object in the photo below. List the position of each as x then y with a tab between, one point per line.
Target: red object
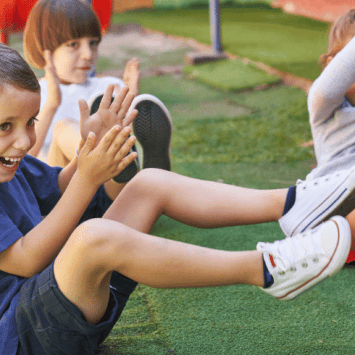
325	10
14	14
351	257
103	9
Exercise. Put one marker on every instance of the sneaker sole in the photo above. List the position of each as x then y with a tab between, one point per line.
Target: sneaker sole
334	265
152	128
340	203
132	169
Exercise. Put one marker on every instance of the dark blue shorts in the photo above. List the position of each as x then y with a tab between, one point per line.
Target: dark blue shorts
98	206
48	323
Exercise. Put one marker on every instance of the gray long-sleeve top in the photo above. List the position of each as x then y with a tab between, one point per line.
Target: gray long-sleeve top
332	117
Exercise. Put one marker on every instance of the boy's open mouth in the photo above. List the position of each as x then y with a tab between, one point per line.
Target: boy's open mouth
9	162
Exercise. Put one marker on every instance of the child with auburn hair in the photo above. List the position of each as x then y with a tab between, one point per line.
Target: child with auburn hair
65	279
331	102
63	36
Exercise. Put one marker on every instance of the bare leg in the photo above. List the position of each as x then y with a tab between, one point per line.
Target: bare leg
66	138
199	203
99	246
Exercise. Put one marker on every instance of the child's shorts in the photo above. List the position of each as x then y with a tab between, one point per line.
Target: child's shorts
98	206
48	323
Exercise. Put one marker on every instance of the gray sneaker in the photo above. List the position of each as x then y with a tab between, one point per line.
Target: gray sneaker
301	262
319	199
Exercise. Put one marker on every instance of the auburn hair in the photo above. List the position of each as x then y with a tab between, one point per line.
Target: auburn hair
342	31
54	22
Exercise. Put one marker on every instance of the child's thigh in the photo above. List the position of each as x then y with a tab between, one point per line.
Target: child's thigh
48	323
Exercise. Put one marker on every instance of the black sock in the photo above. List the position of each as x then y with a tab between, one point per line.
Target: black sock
290	199
268	279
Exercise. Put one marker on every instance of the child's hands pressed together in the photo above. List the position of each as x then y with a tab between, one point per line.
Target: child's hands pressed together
100	164
108	115
54	95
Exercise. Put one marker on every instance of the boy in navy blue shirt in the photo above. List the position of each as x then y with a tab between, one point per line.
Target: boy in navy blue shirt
65	278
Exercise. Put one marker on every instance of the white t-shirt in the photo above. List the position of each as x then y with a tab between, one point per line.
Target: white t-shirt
71	94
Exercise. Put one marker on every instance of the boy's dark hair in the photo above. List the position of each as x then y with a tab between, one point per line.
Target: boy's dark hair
54	22
15	71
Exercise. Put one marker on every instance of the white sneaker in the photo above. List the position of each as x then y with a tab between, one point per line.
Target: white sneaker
152	128
299	263
318	200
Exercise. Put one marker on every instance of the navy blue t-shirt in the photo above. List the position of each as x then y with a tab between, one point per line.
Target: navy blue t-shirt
31	194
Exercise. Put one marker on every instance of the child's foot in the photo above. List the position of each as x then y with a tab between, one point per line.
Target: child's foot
318	200
132	169
152	128
299	263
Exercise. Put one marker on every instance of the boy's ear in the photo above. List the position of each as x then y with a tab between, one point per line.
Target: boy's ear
329	59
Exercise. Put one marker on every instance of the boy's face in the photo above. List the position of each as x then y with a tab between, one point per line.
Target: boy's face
75	59
18	109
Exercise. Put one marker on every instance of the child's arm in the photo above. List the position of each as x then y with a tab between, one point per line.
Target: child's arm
46	115
131	76
328	91
38	248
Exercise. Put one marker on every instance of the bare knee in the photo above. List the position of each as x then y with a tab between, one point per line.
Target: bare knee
150	181
100	242
63	125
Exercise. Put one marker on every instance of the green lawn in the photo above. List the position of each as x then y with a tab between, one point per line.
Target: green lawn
231	75
290	43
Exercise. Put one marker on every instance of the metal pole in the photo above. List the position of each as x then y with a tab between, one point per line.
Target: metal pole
215	26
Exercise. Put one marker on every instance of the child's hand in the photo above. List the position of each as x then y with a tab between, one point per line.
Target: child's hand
108	159
108	115
54	96
131	76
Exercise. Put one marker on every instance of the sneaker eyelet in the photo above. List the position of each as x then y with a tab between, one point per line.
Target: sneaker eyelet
304	188
327	179
315	260
281	273
293	269
315	183
304	265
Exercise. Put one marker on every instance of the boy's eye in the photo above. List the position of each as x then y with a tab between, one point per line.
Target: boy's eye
94	43
31	122
5	126
72	44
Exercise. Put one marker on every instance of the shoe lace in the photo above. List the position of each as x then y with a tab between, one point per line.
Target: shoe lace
316	181
287	252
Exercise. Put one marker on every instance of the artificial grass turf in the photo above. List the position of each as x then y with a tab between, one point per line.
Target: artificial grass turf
215	127
289	43
231	75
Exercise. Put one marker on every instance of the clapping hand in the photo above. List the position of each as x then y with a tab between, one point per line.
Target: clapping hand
108	115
